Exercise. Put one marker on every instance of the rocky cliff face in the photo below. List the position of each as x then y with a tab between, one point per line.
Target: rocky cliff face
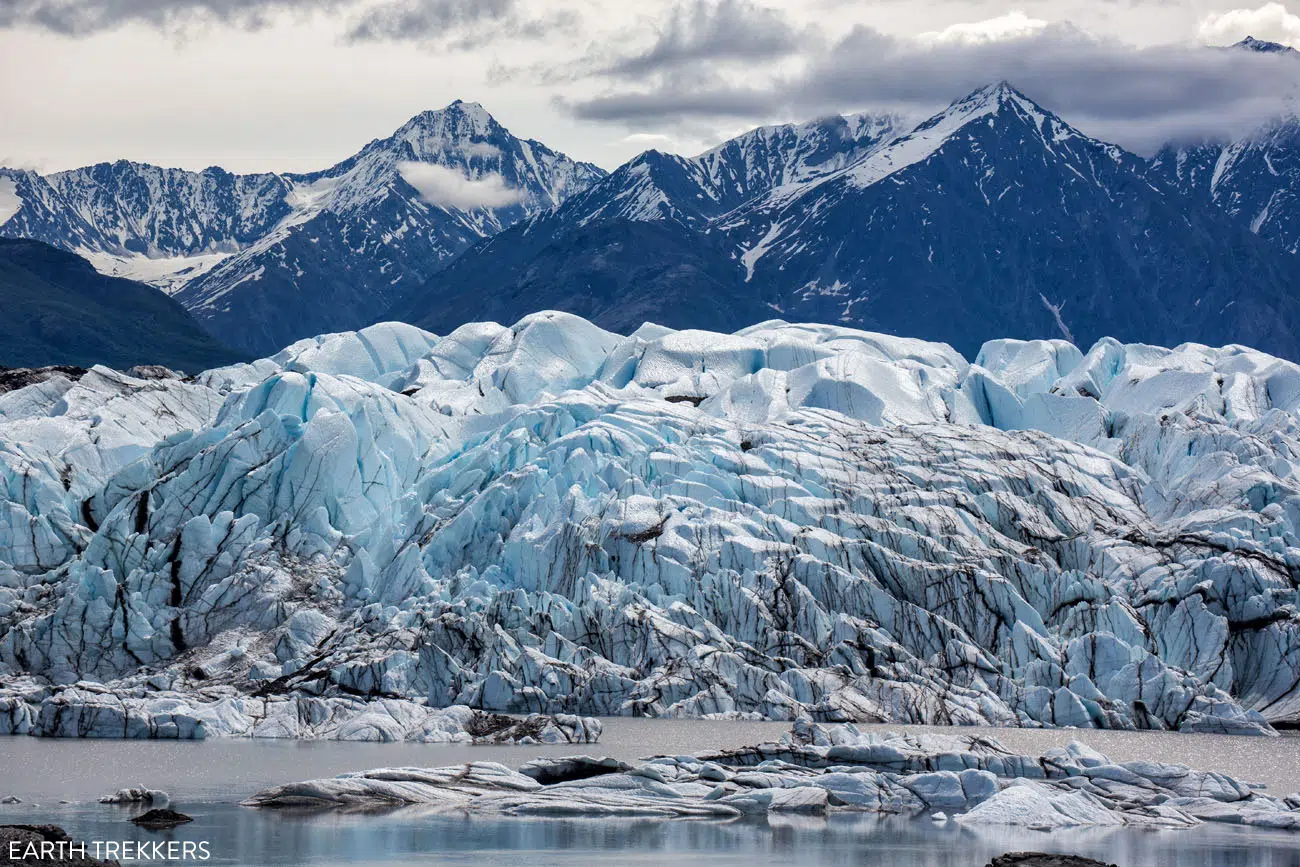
1254	180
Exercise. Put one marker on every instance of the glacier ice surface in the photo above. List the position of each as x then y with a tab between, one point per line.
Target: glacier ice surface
367	528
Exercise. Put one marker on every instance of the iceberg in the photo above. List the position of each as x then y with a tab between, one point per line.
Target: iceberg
819	769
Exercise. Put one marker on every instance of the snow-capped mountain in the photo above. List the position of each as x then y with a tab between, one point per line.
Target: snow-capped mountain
549	517
139	220
1250	43
993	217
695	190
1001	218
1255	180
638	245
159	226
362	230
264	259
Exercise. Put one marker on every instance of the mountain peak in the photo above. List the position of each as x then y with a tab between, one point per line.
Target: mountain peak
468	109
1000	101
459	118
999	93
993	99
1250	43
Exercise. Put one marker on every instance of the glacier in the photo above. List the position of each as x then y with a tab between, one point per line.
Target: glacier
372	529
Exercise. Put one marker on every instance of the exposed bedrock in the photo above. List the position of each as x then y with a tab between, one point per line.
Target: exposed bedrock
45	845
1043	859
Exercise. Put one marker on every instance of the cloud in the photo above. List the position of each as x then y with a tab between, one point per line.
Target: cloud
462	23
482	149
707	33
84	17
465	24
1136	97
1270	22
445	187
649	140
1014	24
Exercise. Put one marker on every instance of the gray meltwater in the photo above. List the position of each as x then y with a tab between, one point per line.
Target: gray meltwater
206	779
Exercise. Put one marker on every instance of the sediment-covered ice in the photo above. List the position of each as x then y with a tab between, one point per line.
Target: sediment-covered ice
98	711
821	769
552	519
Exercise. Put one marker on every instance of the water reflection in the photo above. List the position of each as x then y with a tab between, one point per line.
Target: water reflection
240	836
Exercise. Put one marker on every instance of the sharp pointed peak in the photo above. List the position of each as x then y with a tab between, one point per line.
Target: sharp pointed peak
1262	46
997	92
1000	104
992	99
465	107
459	109
1001	99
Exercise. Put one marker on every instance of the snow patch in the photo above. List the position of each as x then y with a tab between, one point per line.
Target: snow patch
751	256
10	202
169	274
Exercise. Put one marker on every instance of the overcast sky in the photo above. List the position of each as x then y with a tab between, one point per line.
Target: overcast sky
265	85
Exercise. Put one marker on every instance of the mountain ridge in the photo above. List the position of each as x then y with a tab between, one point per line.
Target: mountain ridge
992	216
262	243
782	220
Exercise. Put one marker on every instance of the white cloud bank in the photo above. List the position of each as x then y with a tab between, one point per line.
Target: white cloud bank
1013	25
439	185
1270	22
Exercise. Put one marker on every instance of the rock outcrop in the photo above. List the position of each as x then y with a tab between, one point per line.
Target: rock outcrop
1043	859
159	819
44	845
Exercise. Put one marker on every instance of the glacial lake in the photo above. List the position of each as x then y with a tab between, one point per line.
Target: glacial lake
207	779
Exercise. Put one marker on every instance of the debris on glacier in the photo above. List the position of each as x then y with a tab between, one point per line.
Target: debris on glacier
90	710
819	769
368	528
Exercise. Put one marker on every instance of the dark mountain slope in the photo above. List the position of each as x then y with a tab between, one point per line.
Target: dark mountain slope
997	219
59	310
618	273
992	219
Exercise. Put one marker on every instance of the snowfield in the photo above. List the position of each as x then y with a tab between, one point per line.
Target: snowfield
549	518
